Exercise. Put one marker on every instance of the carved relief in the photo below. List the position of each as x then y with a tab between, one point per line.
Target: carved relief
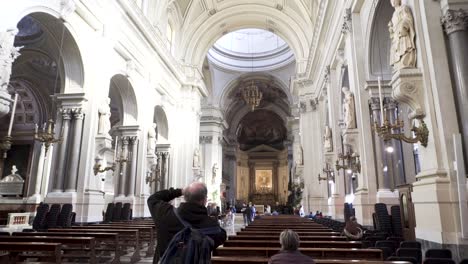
347	22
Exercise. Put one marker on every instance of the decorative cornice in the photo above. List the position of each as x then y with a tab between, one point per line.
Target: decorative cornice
347	22
454	20
308	105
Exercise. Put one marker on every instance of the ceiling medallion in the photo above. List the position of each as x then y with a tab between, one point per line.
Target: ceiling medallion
252	95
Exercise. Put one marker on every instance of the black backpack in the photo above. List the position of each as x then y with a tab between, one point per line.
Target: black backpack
190	245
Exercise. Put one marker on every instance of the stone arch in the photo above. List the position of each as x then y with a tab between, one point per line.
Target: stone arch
124	109
160	118
201	38
59	43
378	41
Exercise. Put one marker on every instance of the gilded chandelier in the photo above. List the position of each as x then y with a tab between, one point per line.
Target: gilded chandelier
252	95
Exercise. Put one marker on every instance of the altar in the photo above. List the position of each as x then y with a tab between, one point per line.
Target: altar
262	175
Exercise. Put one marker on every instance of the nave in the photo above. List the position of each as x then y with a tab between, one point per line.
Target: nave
281	103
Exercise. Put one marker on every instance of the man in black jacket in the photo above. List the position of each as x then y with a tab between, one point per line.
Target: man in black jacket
193	211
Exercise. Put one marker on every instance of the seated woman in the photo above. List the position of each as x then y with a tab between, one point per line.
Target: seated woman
353	230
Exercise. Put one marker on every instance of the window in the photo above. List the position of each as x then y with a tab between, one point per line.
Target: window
170	36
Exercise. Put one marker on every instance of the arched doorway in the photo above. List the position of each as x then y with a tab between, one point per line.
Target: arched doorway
48	67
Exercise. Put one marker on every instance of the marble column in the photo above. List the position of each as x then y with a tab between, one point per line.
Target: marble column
164	169
276	179
123	168
455	23
75	146
62	152
40	171
159	183
133	167
382	184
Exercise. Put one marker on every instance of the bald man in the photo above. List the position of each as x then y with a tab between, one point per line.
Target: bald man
193	211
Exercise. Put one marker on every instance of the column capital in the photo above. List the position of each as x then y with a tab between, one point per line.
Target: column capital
308	105
206	139
390	103
66	113
454	20
77	113
374	103
126	140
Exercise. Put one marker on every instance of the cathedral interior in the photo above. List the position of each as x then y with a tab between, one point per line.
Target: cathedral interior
312	103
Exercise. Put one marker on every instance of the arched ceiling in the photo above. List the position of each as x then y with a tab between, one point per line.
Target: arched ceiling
261	127
205	21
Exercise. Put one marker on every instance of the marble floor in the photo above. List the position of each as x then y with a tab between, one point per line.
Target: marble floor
230	229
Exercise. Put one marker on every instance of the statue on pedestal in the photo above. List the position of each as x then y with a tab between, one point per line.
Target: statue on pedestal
402	34
349	113
152	139
104	124
214	171
327	139
196	158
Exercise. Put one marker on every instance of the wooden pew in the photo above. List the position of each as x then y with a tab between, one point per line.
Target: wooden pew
84	247
304	244
128	237
242	236
49	251
105	242
147	233
256	260
297	229
315	253
300	233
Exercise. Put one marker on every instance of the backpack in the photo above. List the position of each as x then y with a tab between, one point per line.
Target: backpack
190	245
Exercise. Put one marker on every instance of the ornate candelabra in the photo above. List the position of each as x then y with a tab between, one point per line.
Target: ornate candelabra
385	131
149	179
47	137
5	145
97	167
330	176
351	162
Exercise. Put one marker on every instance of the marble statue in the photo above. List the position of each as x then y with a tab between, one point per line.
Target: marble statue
298	156
152	139
196	158
8	54
349	113
104	124
214	172
402	34
327	139
13	177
